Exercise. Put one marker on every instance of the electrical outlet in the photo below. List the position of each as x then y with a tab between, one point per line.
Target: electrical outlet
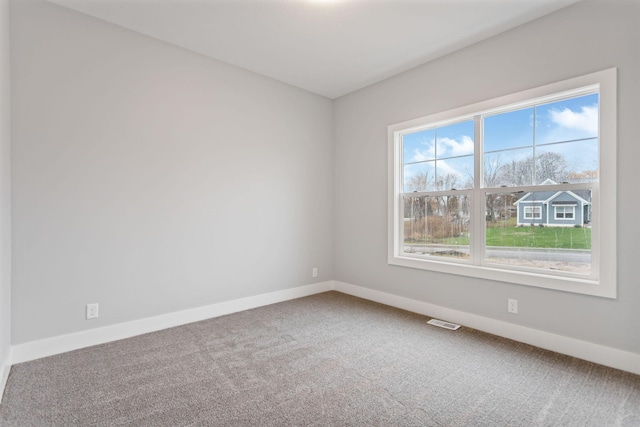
512	305
314	272
92	311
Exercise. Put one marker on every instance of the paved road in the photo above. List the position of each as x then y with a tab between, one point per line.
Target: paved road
557	255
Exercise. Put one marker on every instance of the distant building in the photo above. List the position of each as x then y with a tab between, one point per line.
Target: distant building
553	208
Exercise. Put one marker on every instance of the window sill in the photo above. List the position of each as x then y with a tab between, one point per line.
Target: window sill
499	273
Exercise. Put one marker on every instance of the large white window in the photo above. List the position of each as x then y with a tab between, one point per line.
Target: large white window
518	189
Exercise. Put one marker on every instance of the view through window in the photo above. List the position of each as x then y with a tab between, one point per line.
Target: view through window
514	187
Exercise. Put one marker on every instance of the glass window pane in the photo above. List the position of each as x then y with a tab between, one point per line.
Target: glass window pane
567	120
437	226
564	212
508	130
419	177
454	174
546	230
509	168
455	140
419	146
568	162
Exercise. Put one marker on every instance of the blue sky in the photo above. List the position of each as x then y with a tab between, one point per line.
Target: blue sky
569	119
447	150
509	136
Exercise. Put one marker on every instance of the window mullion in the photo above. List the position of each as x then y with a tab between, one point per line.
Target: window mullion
477	198
399	189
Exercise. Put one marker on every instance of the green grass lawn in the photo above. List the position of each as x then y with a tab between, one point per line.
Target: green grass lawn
532	237
540	237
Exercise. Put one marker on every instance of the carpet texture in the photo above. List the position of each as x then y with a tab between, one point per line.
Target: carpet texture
325	360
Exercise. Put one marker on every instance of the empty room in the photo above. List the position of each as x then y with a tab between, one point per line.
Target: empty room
319	212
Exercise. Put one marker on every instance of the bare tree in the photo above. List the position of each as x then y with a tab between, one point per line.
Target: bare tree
415	207
551	166
588	175
493	170
492	178
447	182
418	182
547	165
516	173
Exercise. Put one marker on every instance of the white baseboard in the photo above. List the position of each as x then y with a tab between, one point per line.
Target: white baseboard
63	343
5	367
596	353
607	356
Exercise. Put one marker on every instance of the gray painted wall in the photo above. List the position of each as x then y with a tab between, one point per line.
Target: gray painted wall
583	38
5	184
150	179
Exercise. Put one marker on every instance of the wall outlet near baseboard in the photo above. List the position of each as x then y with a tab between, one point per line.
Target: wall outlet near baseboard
512	305
92	311
314	272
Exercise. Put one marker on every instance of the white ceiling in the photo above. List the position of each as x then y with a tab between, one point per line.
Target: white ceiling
329	47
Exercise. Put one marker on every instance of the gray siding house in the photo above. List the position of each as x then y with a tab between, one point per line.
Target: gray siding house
553	209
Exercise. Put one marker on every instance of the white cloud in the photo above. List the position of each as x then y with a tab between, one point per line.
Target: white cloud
447	147
585	120
445	169
457	148
426	154
425	150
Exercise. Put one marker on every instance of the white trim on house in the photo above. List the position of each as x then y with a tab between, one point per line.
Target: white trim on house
536	212
549	205
564	212
580	199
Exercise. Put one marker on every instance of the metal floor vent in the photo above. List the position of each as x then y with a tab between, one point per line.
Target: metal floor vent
443	324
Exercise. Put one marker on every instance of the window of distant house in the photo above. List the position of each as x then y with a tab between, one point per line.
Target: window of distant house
565	212
519	189
532	212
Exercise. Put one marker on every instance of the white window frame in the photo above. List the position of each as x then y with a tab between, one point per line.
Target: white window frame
602	280
536	212
564	212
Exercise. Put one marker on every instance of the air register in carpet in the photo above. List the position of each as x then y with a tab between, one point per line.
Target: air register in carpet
443	324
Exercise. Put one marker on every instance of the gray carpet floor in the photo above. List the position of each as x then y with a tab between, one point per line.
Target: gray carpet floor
325	360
